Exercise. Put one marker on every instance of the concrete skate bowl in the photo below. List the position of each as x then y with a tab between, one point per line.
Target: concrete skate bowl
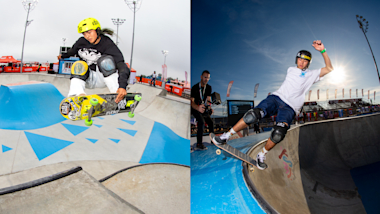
37	141
309	171
76	191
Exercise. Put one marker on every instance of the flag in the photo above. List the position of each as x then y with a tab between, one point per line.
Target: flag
318	94
343	92
164	70
362	92
185	77
309	94
374	95
336	91
229	88
327	94
350	93
356	93
256	88
368	94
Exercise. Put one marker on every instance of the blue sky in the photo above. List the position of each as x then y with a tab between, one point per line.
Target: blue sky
256	41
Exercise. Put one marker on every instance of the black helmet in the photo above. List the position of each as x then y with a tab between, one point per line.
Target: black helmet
304	55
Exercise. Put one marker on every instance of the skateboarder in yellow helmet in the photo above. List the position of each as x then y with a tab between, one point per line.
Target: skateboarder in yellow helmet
106	66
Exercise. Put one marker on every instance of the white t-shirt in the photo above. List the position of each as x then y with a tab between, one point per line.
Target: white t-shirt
296	84
154	75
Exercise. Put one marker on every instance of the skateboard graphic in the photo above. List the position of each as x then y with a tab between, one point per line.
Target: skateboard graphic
235	152
87	106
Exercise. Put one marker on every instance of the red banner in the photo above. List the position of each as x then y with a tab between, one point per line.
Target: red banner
318	94
229	88
309	94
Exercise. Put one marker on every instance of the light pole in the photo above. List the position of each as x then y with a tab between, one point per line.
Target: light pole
165	52
134	5
363	24
28	6
118	22
164	70
64	40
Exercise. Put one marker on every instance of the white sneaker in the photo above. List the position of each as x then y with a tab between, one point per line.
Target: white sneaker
260	158
222	139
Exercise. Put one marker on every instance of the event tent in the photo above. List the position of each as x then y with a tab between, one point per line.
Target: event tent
8	59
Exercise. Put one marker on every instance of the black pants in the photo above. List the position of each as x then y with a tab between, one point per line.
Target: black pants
201	118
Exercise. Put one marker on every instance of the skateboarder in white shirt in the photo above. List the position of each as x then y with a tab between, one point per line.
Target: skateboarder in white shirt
285	102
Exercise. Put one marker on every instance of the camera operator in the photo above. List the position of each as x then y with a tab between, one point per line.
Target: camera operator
201	107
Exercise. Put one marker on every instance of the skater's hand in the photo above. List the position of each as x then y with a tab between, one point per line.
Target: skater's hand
317	44
121	94
59	56
201	108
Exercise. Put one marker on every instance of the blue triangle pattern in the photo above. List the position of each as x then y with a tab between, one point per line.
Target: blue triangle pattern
6	148
102	118
75	130
114	140
129	121
98	126
130	132
92	140
45	146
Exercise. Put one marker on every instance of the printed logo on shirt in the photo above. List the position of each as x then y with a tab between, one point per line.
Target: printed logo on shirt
303	74
89	55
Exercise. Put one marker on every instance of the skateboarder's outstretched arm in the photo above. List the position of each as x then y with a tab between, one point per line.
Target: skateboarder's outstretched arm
317	44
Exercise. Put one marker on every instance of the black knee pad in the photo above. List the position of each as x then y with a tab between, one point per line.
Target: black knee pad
106	65
80	70
278	133
252	116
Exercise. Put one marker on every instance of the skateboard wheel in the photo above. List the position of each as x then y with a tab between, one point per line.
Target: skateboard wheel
251	169
87	122
137	97
131	115
218	152
94	101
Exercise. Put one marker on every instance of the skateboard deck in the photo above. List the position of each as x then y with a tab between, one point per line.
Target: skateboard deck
87	106
234	152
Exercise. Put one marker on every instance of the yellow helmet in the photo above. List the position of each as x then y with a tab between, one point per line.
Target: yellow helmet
88	24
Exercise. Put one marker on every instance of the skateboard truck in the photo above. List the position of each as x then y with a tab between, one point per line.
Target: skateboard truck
94	102
137	98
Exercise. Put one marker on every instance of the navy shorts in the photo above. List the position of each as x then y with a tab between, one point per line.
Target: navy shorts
273	105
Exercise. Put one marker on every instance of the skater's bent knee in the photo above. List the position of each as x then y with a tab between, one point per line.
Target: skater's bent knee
252	116
278	133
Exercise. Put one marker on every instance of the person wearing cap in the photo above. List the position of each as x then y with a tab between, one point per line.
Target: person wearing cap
104	63
286	102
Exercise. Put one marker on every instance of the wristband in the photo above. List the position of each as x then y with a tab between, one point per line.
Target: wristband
324	50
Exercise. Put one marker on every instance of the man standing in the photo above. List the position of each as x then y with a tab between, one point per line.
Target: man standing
286	102
200	107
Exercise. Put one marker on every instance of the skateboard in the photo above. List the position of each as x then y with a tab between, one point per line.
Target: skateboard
87	106
235	152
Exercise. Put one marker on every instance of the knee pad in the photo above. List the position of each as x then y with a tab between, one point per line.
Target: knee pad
80	70
106	65
278	133
252	116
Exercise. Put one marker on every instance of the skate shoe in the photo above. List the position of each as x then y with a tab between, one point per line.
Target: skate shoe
219	140
200	146
260	158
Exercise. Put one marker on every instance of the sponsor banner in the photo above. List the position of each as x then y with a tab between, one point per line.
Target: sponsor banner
229	88
256	89
318	94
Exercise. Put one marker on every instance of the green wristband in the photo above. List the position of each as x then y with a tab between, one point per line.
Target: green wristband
324	50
